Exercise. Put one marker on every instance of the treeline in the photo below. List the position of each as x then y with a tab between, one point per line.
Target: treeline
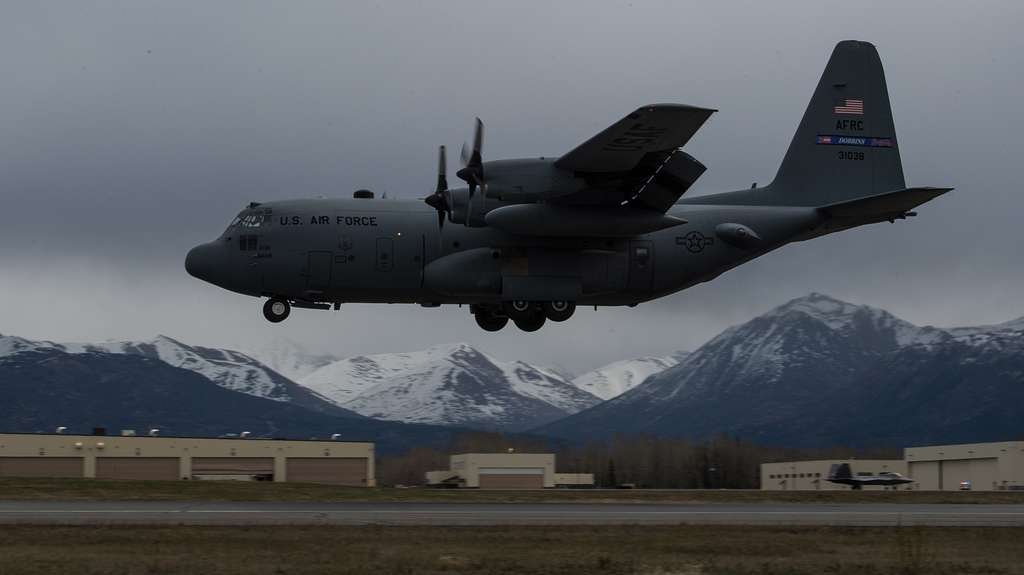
645	462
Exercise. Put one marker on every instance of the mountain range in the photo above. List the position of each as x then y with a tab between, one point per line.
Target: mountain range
817	371
453	384
813	372
45	387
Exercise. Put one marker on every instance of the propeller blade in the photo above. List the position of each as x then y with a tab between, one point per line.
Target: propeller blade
478	142
439	199
472	160
442	169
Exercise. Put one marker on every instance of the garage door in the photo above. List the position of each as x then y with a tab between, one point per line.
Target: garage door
165	468
350	471
232	465
925	475
953	472
982	473
511	478
41	466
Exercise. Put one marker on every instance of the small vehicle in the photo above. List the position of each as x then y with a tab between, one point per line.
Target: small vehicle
965	485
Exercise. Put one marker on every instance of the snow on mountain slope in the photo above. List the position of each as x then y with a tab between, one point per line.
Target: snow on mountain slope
816	363
290	359
451	384
11	344
228	369
619	377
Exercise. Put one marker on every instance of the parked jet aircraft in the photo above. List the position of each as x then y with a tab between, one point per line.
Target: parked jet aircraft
528	240
840	473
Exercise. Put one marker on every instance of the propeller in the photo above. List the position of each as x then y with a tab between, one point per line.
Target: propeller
472	171
439	199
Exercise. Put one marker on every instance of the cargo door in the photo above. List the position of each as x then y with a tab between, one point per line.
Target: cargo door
319	270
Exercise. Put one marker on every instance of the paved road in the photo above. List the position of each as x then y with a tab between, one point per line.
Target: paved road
505	514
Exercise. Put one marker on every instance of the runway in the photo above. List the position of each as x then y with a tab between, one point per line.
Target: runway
228	513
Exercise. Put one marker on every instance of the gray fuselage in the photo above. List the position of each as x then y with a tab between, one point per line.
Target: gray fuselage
392	251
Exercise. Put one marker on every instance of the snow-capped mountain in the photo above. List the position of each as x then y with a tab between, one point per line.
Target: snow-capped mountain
817	371
451	384
290	359
619	377
45	386
229	369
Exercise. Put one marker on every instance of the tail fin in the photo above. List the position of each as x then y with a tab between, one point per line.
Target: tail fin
845	147
840	471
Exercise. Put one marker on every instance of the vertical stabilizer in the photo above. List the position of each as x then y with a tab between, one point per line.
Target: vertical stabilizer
845	147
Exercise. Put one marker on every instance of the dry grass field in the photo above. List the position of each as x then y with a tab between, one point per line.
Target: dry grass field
104	490
662	550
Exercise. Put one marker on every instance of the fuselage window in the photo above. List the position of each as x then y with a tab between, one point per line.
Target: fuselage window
643	257
248	243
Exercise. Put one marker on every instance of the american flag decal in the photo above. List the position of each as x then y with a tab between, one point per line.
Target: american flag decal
851	106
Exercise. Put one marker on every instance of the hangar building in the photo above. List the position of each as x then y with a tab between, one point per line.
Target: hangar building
984	466
812	475
506	471
987	466
172	458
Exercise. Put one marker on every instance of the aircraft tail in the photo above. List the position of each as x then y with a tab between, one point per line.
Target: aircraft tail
845	147
840	471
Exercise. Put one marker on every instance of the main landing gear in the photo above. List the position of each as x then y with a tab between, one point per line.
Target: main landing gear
527	315
276	310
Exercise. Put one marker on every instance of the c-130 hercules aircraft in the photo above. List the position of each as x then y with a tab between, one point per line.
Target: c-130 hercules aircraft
530	239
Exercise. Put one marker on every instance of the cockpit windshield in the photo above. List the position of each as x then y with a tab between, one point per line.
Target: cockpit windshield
251	219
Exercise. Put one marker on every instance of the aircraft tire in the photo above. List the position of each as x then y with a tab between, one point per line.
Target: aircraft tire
276	310
532	322
521	309
559	310
488	321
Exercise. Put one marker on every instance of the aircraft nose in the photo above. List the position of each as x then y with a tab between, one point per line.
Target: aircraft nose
201	261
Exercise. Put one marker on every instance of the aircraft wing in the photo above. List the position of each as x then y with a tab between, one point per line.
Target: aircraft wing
658	128
637	159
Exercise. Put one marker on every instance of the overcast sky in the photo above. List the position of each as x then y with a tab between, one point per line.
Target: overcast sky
131	131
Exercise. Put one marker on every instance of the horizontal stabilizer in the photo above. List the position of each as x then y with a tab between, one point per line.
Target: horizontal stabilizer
883	206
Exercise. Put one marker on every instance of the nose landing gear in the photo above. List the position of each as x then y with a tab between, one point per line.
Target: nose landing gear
276	310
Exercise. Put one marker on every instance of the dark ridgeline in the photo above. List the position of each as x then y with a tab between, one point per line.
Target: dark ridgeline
47	388
814	373
817	372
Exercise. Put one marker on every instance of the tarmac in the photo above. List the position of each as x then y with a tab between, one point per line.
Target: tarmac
398	513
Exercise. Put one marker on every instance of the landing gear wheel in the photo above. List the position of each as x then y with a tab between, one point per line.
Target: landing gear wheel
559	310
489	321
276	310
531	322
521	309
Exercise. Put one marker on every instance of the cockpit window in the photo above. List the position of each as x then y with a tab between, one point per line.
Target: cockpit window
251	219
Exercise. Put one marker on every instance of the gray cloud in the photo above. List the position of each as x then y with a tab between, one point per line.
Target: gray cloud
130	132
